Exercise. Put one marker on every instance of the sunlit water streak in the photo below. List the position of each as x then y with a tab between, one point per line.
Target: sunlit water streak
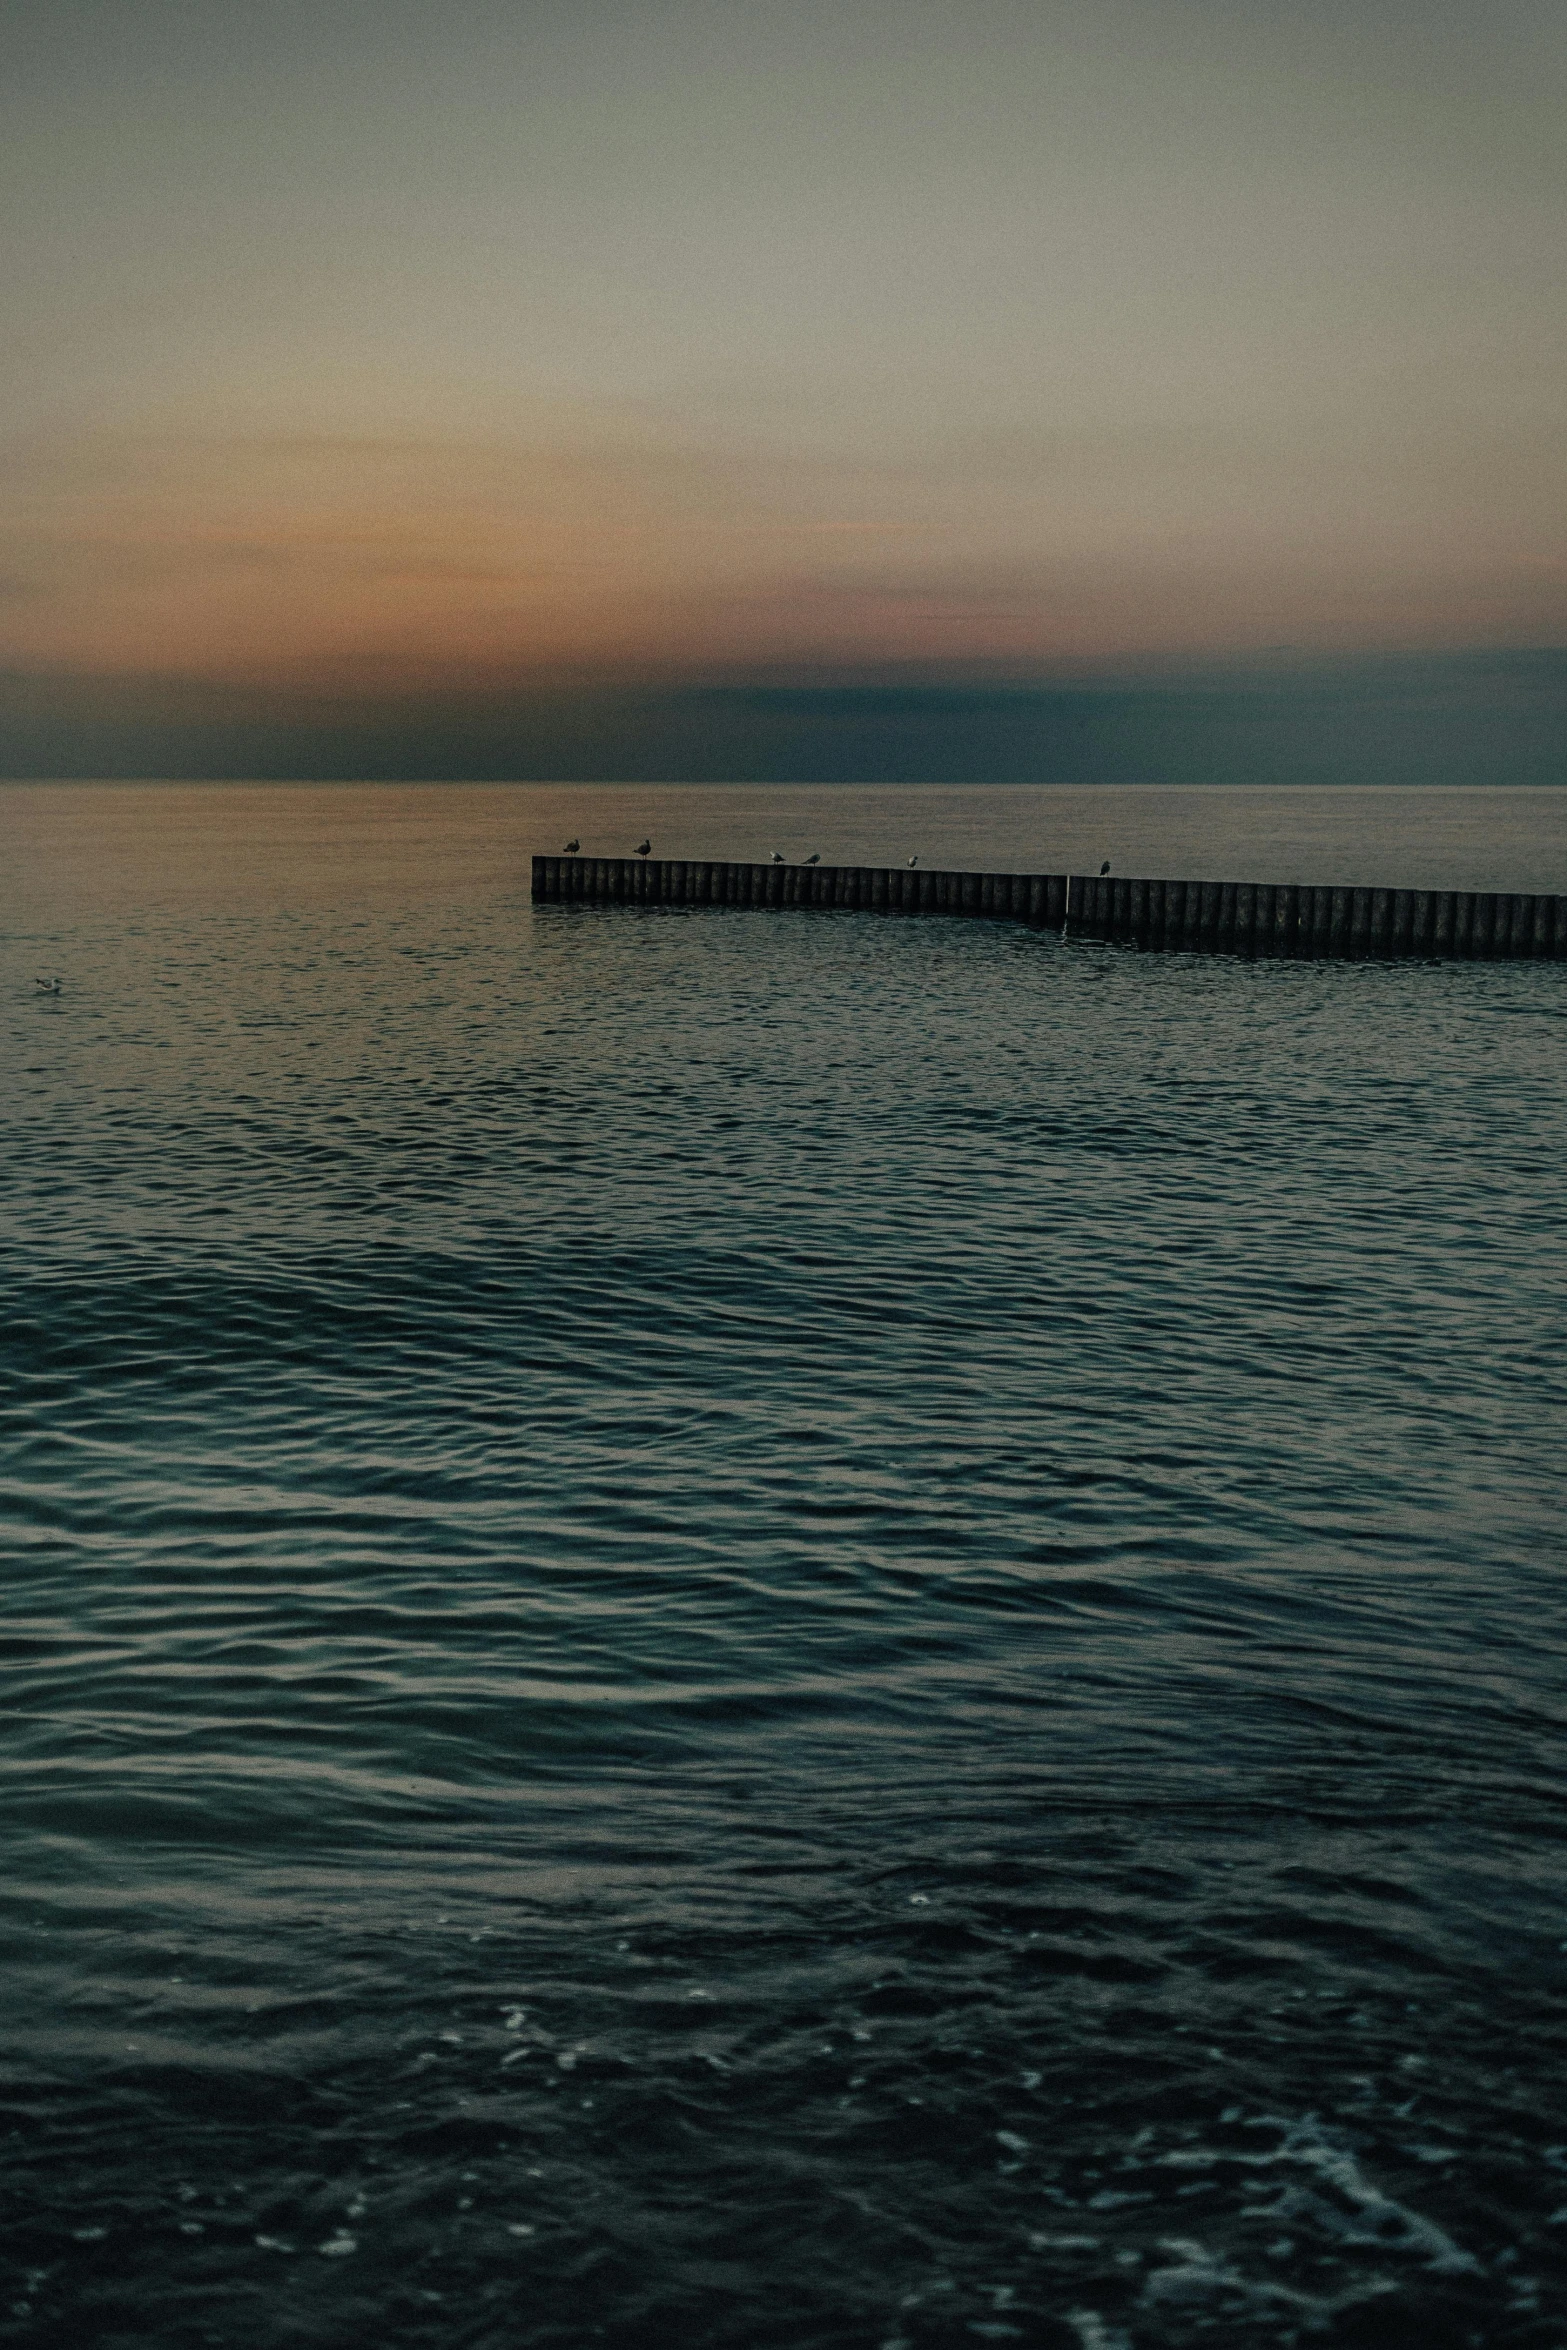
749	1630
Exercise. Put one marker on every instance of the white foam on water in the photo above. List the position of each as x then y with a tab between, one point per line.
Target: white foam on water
1195	2274
1372	2217
1093	2333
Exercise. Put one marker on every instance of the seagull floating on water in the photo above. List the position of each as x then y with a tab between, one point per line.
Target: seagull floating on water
49	986
1104	868
814	858
572	846
644	848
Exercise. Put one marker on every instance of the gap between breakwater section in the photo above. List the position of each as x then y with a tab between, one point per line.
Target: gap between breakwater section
1199	917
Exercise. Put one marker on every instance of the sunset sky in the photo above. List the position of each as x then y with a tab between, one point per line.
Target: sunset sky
365	351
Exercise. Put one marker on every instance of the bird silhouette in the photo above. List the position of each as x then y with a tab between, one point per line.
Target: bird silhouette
644	848
572	846
778	856
1104	868
814	858
913	861
49	986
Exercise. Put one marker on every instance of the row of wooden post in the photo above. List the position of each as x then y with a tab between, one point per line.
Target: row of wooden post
1208	917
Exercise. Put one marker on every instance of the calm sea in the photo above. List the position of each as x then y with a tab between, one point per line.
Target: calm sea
741	1630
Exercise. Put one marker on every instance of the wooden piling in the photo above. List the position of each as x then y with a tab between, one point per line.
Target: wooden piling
1379	925
1544	909
1202	917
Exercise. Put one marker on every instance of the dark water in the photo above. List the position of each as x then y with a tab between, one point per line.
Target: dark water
739	1631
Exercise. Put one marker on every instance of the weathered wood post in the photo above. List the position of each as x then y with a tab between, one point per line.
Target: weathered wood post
1315	933
1205	926
1245	916
1262	919
1422	927
1540	928
1379	935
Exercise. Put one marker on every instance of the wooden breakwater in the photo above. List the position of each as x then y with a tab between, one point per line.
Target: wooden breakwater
1200	917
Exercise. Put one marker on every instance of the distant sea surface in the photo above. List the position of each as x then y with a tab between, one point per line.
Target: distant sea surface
738	1630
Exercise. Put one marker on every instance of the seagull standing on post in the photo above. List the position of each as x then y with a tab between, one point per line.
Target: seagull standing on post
814	858
572	846
913	861
1104	868
644	848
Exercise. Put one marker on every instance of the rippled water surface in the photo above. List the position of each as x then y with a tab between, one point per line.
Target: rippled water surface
746	1630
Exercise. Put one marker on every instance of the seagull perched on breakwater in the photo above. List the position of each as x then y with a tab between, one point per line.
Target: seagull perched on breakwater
913	861
644	848
1104	868
778	856
814	858
572	846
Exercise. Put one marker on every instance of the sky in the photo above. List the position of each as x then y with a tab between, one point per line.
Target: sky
362	358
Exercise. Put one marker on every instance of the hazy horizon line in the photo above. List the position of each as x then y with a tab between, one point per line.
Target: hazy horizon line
1482	714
